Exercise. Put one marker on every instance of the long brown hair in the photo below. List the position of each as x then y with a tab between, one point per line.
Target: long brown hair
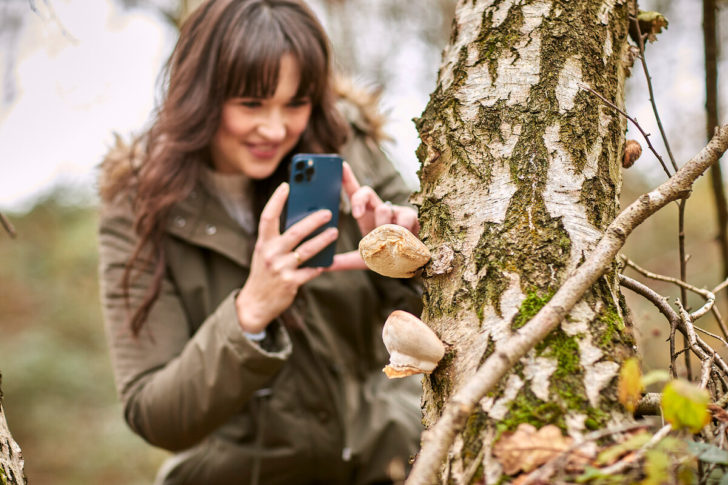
226	48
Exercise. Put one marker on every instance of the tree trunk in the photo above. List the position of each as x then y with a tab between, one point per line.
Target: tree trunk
520	176
11	461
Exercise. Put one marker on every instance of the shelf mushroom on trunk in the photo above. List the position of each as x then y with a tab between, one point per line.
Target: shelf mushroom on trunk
413	347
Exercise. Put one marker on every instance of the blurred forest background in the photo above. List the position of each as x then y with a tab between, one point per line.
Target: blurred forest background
58	389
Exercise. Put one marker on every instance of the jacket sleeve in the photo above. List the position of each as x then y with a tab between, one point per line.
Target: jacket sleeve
176	388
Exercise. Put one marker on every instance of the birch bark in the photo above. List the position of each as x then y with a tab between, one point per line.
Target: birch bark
519	178
12	471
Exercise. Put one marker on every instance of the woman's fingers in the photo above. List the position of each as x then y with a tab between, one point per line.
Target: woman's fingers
300	230
347	261
269	226
384	214
315	245
349	181
407	217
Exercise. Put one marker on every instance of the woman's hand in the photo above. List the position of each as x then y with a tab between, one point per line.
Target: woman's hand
370	212
275	275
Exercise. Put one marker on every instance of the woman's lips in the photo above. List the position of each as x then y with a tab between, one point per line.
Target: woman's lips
263	151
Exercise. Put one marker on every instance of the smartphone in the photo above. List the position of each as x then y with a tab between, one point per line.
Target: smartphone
315	181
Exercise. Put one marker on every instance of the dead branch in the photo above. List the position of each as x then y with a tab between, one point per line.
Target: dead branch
678	322
649	405
437	440
8	226
709	296
623	464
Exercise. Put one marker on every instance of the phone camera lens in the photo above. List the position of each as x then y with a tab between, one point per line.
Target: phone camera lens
298	177
300	164
309	173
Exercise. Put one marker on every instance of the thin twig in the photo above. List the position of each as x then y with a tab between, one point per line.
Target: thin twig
645	135
720	321
721	286
708	295
652	95
711	334
681	203
684	272
668	279
701	349
705	370
623	464
8	226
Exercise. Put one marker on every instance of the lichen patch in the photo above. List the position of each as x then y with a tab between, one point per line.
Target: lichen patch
498	409
570	79
596	378
538	371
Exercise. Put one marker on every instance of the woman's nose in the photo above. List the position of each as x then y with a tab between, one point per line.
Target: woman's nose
273	127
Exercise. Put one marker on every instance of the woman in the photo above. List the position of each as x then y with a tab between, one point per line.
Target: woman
251	368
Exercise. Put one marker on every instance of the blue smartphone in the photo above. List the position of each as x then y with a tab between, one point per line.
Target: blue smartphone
315	181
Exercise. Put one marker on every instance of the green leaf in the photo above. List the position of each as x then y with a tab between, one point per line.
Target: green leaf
724	480
657	468
654	376
685	405
590	473
613	452
708	453
629	387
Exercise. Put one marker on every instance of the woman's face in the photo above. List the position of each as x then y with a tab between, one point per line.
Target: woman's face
256	133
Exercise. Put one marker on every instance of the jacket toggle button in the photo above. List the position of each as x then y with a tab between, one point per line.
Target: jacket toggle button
210	230
180	221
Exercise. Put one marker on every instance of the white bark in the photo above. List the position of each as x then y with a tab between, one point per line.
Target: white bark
11	459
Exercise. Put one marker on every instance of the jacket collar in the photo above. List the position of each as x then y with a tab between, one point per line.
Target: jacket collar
200	219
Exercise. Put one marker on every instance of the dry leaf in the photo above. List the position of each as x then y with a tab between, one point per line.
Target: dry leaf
629	386
527	448
718	413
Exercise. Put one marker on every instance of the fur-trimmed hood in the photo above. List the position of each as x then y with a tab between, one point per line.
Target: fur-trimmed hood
358	105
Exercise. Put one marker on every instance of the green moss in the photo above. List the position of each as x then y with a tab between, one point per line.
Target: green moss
527	408
489	290
613	326
3	479
440	380
472	441
529	308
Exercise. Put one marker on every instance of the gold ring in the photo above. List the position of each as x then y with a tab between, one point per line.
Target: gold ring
298	257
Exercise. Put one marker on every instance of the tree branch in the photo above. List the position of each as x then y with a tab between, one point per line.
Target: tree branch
8	226
437	440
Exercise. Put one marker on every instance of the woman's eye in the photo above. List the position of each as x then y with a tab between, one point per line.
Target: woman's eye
250	103
297	103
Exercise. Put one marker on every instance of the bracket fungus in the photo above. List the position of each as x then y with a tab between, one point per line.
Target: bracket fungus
393	251
413	347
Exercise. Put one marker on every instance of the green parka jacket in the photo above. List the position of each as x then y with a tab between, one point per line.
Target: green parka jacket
310	404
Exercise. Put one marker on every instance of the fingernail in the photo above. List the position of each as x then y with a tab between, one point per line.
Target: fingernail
332	233
356	211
